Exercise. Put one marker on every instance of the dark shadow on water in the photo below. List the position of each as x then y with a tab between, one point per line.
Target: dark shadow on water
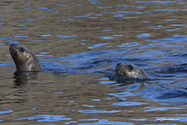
22	78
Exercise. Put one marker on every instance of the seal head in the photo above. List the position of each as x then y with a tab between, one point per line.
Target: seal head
131	70
24	59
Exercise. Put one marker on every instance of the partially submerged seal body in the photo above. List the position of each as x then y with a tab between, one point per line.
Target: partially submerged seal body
24	59
131	70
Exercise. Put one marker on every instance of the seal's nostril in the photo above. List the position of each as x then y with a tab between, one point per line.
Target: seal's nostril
118	64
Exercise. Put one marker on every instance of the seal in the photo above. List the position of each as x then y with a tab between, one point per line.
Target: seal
24	59
131	70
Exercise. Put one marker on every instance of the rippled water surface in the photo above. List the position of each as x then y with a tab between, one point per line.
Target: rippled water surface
76	42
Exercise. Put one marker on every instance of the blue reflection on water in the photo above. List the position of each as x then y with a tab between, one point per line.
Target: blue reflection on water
41	17
130	17
149	109
42	8
106	37
6	64
36	40
166	9
127	11
142	119
98	111
5	112
2	23
2	43
44	35
23	25
173	29
106	122
170	19
31	19
46	118
118	15
20	36
143	35
178	24
159	1
98	45
92	119
67	36
129	103
104	7
5	38
61	5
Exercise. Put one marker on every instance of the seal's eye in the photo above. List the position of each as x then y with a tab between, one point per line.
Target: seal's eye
131	66
22	49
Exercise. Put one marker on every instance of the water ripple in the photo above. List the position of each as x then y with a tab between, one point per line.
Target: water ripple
98	111
160	2
106	122
46	118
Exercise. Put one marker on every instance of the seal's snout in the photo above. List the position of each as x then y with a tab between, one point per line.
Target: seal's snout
12	46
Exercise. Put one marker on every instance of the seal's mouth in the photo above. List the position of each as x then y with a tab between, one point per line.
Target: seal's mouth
13	49
120	72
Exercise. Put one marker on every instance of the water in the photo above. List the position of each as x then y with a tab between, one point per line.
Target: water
76	42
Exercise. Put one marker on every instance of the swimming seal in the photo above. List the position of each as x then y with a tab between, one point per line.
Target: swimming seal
24	59
131	70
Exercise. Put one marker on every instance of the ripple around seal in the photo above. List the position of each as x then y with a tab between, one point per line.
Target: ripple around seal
175	38
46	118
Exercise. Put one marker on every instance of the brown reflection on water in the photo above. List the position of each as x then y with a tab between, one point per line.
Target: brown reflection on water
120	21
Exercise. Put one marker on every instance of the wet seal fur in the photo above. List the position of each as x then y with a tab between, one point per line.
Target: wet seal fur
127	73
131	70
24	59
